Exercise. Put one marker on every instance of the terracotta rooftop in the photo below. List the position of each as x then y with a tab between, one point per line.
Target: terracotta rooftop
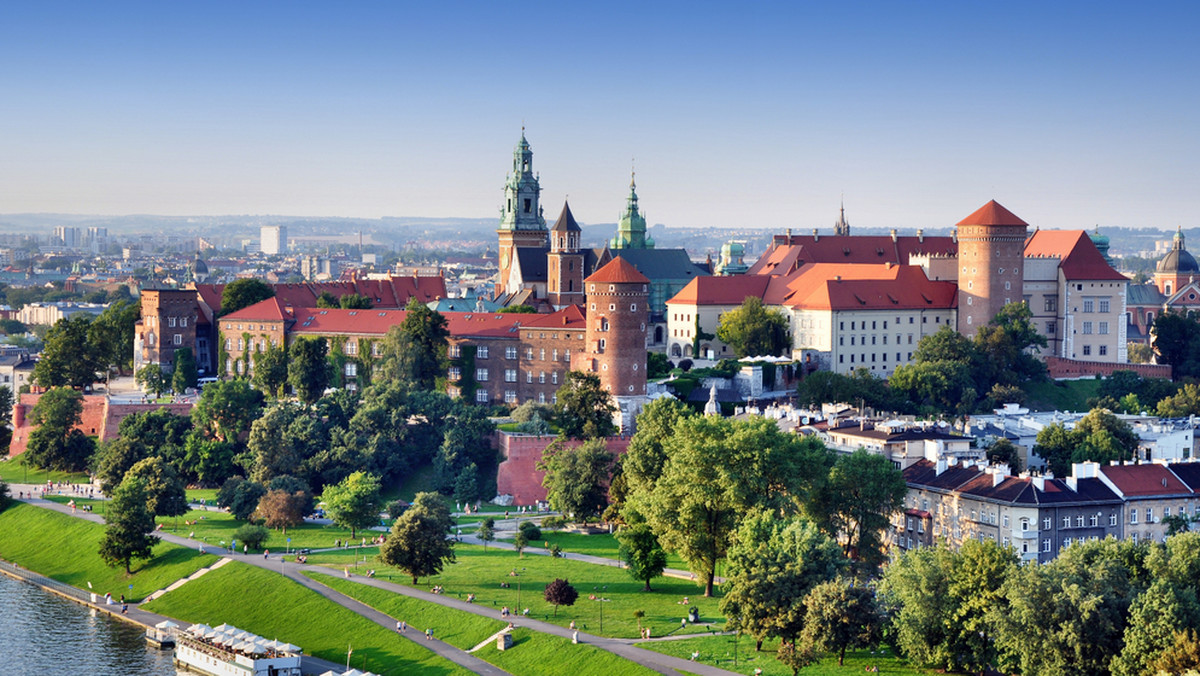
721	290
1080	257
618	271
992	213
849	286
1144	480
570	317
271	309
800	250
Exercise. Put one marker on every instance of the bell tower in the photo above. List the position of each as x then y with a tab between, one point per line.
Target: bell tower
521	220
564	265
617	312
631	227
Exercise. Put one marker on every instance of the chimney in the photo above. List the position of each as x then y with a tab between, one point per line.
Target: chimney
788	234
921	236
816	235
1039	482
998	476
954	235
940	467
894	238
18	415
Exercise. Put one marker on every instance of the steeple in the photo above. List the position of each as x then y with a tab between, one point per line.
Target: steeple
842	227
631	229
522	190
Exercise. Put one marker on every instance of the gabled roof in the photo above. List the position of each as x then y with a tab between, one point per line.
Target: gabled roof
570	317
721	290
532	262
619	271
1188	472
992	213
867	287
1081	260
1146	480
566	222
801	250
1143	294
377	322
271	309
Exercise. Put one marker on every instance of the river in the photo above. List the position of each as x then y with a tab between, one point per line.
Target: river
41	633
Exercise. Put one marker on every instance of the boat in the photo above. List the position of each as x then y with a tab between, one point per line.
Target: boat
225	650
162	635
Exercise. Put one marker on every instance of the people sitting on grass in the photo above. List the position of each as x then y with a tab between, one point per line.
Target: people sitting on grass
470	598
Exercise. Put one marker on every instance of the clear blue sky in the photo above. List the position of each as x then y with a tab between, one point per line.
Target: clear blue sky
738	114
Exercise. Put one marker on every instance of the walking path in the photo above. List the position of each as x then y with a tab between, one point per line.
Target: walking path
664	664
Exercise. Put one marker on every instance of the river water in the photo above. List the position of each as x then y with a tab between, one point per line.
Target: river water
41	633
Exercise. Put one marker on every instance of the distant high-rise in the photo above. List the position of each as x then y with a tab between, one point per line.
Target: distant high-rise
67	236
274	239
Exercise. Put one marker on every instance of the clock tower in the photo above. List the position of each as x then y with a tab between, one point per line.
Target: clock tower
521	220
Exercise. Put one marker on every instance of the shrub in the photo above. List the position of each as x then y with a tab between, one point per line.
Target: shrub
252	536
553	522
395	508
531	531
560	593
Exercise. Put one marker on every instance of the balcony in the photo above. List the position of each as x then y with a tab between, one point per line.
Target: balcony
1025	534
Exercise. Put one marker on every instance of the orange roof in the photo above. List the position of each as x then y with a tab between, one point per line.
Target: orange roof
1146	479
801	250
271	309
1080	257
869	287
618	271
570	317
377	322
721	290
992	213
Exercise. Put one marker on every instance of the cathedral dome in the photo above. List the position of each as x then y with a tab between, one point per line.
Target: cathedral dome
1178	260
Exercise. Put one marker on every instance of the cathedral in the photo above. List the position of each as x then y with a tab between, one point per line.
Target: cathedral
545	267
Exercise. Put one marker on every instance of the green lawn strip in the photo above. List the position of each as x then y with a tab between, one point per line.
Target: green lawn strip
537	654
13	472
65	548
719	651
482	572
79	502
196	494
458	628
604	545
1061	395
214	526
274	607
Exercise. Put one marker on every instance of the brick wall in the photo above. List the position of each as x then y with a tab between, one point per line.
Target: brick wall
100	419
1061	368
518	475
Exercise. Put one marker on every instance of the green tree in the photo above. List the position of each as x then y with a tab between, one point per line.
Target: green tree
1099	436
1175	337
419	543
152	379
1183	403
130	523
466	486
111	334
69	359
826	387
752	330
856	504
657	365
644	558
773	564
281	510
328	301
1181	657
1140	353
584	410
354	503
1156	615
226	409
166	494
718	470
839	615
57	443
644	461
308	368
354	301
577	477
271	370
916	588
252	536
1009	340
240	496
208	460
414	352
560	593
243	293
274	452
518	309
520	542
1004	451
184	375
486	532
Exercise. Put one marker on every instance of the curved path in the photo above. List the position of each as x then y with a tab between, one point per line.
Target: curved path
664	664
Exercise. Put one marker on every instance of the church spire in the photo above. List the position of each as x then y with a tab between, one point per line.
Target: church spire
522	190
842	227
631	229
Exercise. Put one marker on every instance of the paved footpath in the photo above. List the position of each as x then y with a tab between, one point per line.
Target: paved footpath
664	664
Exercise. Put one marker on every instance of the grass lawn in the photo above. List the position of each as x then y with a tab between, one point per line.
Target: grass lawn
532	652
12	471
274	607
1062	395
209	494
482	572
65	549
719	651
600	544
214	526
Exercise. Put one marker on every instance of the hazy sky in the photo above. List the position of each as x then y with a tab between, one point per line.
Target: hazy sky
738	114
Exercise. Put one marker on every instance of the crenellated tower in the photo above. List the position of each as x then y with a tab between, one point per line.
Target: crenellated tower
521	221
617	312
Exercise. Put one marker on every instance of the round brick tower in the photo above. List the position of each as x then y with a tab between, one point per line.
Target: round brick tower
617	312
991	264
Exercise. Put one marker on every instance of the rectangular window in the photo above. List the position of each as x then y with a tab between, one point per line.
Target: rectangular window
481	375
1087	350
481	396
1094	520
228	343
529	353
1046	523
1104	304
554	377
1112	519
1149	515
1079	521
178	339
1046	545
510	352
510	396
542	377
1103	328
482	353
510	375
1089	305
1087	328
351	369
555	355
529	376
1051	328
1051	303
455	373
171	322
351	348
455	352
1133	515
183	322
1103	350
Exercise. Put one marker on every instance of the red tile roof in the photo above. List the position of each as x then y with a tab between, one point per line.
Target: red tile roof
992	214
377	322
721	290
1144	480
271	309
392	292
570	317
869	287
806	249
1080	257
618	271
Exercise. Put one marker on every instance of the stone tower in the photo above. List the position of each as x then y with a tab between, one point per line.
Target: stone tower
991	264
564	265
617	312
631	228
521	221
842	227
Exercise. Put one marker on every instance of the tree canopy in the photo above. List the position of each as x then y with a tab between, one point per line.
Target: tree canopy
414	351
644	558
56	443
1099	436
128	535
419	543
354	503
753	330
308	370
70	357
243	293
856	503
577	477
584	410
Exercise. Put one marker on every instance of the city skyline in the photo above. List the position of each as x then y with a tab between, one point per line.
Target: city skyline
1071	115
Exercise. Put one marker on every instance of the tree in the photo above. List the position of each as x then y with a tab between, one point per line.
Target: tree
1004	451
657	365
115	458
69	359
184	376
466	486
112	332
772	566
243	293
273	450
1008	340
419	543
584	410
152	379
718	470
1099	436
281	510
560	593
240	496
839	615
128	533
271	370
752	330
327	300
1181	657
226	409
354	503
518	309
5	496
576	478
856	504
1140	353
254	537
1175	337
308	368
166	494
826	387
795	656
644	558
643	462
1183	403
414	352
1154	618
57	444
520	542
354	301
486	532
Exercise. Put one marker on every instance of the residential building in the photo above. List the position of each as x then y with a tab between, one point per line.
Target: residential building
273	239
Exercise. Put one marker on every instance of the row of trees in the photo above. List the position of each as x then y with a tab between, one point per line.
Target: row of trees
80	349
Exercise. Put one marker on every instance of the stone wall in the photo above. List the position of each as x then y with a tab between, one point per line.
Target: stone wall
100	418
1061	368
518	475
